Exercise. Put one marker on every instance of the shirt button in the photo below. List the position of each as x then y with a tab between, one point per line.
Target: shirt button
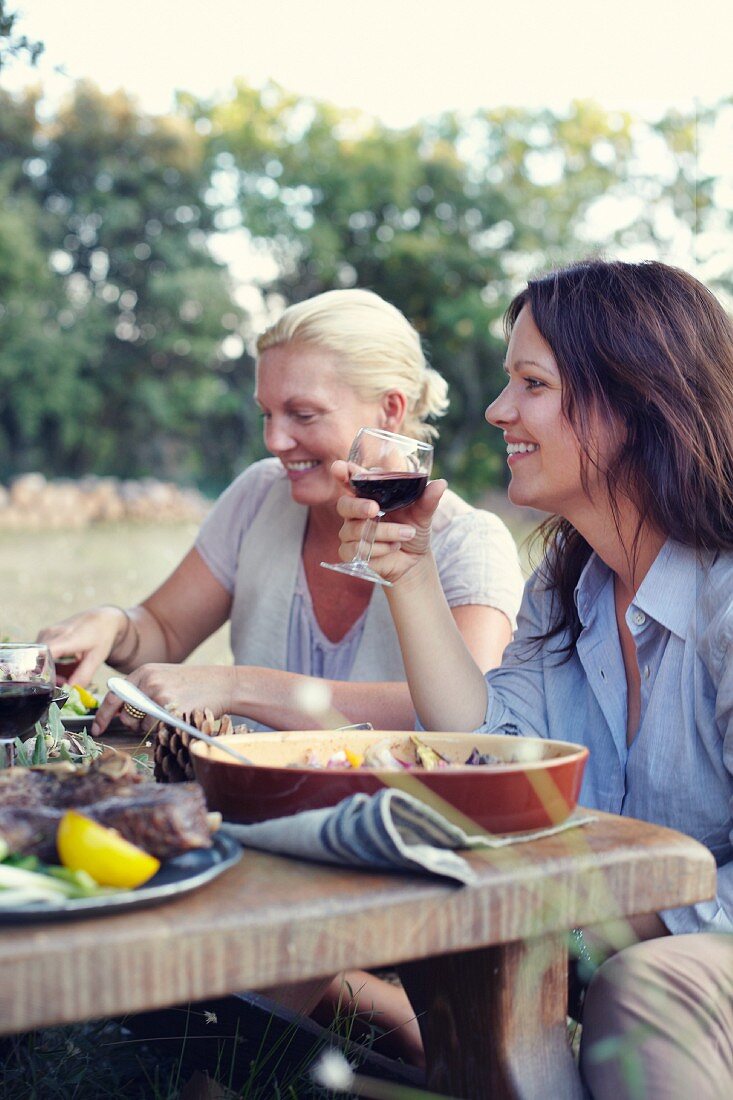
647	672
638	618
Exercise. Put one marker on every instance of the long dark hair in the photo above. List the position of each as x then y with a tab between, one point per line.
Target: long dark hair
646	345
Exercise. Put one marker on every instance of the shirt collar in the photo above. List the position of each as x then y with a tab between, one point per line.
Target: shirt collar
668	593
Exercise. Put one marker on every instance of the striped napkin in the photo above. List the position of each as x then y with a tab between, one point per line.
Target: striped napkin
390	830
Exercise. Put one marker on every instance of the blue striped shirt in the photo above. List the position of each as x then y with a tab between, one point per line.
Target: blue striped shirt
678	770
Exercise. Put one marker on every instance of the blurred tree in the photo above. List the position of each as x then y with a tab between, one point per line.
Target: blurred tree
696	194
13	45
138	310
338	200
39	361
121	343
39	383
446	219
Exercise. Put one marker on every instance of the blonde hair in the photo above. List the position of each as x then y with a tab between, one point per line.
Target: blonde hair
380	349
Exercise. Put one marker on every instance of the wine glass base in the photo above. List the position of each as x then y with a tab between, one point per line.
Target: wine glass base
360	570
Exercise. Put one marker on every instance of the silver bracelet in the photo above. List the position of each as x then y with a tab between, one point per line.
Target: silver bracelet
129	624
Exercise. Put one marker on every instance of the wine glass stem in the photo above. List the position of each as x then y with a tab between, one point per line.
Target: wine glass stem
7	752
364	551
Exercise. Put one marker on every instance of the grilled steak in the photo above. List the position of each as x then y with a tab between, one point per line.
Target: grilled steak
30	830
23	787
163	820
110	774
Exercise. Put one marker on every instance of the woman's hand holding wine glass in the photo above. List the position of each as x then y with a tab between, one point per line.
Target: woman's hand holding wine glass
388	547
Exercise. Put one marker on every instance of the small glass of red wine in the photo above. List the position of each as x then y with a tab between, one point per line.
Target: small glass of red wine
394	471
27	683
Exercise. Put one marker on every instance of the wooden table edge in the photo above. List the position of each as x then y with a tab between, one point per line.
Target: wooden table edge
218	940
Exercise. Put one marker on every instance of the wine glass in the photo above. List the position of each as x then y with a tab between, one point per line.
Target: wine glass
391	469
27	683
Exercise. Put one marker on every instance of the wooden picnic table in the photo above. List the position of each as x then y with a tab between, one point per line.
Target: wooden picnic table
485	965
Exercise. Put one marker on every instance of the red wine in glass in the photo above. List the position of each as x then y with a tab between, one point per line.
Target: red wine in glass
390	490
21	705
391	469
27	683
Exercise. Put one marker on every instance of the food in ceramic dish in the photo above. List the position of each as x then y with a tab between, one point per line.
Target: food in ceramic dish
535	785
388	757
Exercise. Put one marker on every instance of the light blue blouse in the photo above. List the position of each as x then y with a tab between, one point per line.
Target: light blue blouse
678	770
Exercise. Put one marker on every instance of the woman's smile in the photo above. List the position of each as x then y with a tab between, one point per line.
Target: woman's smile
297	470
517	449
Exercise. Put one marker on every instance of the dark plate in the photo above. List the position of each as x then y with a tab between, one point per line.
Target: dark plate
177	876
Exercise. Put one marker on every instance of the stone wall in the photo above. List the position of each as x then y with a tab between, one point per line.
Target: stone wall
32	501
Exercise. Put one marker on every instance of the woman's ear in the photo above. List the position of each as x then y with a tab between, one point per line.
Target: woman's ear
393	410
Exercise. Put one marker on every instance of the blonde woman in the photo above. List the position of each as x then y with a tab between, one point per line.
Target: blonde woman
330	365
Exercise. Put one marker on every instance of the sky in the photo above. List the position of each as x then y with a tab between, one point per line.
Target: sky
400	60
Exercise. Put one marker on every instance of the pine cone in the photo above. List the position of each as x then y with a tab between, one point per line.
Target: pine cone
171	757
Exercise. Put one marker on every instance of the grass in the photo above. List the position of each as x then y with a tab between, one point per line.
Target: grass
47	576
84	1063
106	1059
96	1060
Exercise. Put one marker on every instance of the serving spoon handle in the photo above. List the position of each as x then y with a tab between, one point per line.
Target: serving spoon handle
131	694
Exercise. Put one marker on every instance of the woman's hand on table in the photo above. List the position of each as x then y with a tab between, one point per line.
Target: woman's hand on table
87	638
402	538
185	687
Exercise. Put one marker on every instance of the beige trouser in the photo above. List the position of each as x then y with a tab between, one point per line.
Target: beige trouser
658	1022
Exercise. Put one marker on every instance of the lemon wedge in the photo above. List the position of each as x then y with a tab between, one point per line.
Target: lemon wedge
85	845
90	701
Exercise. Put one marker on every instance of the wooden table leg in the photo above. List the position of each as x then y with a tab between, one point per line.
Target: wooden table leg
493	1021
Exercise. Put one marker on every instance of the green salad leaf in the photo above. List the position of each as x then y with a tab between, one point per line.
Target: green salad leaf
77	707
26	879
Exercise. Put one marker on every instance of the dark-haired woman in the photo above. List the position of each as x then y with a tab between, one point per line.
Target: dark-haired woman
618	420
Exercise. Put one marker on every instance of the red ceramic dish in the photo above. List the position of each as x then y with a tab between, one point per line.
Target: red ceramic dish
537	787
